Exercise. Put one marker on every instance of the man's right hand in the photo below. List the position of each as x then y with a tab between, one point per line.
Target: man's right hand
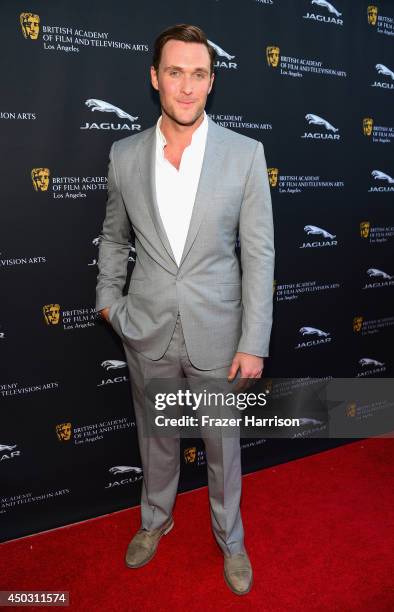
105	314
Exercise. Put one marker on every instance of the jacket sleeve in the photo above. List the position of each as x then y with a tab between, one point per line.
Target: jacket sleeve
114	246
256	235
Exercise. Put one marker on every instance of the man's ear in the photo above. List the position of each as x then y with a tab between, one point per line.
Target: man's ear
153	78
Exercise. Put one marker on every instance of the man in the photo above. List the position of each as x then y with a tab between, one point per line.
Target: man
184	188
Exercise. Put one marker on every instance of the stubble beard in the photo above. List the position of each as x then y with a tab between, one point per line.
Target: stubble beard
173	116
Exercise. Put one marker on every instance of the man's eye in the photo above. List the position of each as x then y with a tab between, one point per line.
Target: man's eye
174	72
200	75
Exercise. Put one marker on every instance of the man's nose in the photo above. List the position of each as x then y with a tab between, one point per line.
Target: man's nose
187	84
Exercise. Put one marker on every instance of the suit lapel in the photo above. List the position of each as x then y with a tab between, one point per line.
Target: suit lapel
209	177
147	161
210	172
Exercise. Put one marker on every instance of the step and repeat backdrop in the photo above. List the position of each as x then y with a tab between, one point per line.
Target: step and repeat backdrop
314	82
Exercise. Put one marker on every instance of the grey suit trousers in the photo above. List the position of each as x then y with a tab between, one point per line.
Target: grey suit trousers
160	456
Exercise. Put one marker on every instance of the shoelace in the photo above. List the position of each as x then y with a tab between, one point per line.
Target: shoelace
143	537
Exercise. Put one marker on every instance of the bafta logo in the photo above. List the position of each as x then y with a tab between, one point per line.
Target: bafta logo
30	24
351	409
190	454
364	229
273	176
372	13
63	432
367	126
51	313
40	178
272	56
357	324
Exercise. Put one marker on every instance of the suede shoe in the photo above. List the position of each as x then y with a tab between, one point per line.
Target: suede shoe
143	546
238	573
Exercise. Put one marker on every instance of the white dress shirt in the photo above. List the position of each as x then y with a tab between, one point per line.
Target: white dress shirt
176	189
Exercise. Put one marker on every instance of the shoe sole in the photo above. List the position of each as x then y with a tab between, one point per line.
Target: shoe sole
232	588
167	530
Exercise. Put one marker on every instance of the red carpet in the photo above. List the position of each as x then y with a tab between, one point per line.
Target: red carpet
319	531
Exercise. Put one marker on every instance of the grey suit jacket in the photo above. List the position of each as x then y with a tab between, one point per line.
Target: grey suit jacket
222	310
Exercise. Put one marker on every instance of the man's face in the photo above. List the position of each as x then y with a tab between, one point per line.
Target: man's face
183	80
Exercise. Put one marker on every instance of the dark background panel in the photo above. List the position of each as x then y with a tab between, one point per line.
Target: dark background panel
71	375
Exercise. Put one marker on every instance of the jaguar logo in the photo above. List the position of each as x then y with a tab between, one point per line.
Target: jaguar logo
318	231
375	272
316	120
328	6
382	69
369	362
113	364
221	52
124	469
309	331
107	107
381	176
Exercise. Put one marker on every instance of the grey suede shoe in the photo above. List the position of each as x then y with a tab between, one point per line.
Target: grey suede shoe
238	573
144	544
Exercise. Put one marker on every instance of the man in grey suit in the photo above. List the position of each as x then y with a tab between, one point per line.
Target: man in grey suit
185	187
